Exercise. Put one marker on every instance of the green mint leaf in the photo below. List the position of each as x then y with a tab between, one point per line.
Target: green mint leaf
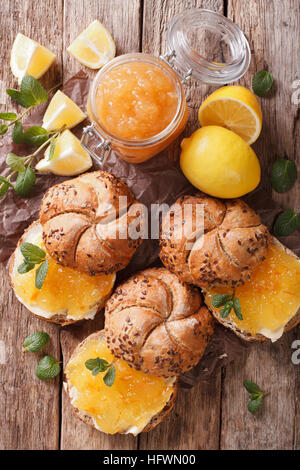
262	82
110	376
35	135
8	116
3	129
220	299
237	308
17	96
5	184
47	368
15	162
284	175
32	91
251	387
25	267
41	274
96	365
17	133
225	311
253	405
32	253
36	341
52	149
286	223
25	182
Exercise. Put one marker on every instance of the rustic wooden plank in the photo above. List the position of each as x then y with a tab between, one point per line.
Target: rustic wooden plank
271	28
186	428
28	407
123	21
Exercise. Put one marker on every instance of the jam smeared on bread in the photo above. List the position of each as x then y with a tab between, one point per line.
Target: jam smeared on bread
270	299
135	402
157	324
223	251
86	223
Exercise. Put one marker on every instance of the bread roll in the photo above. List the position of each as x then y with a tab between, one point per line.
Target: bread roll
157	324
222	248
92	223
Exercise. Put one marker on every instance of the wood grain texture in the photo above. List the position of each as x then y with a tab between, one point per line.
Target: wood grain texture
184	429
123	21
23	397
271	27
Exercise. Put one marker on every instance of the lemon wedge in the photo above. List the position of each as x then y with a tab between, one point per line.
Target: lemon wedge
236	108
29	58
62	111
93	47
69	158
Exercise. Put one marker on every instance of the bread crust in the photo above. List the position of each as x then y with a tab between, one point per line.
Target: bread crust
87	419
157	324
59	319
89	223
247	335
220	252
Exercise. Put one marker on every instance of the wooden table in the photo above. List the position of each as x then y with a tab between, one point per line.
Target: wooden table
37	415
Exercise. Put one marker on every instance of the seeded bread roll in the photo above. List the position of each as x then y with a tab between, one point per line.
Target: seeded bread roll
157	324
86	418
221	248
92	223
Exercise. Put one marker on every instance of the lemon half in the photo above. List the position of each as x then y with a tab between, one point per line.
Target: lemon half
69	158
236	108
29	58
219	162
93	47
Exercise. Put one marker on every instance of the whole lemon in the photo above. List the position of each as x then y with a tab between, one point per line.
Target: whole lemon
219	162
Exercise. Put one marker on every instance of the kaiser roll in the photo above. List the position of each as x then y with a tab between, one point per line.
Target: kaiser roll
157	324
92	223
222	250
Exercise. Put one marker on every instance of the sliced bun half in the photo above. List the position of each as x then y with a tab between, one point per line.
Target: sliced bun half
62	317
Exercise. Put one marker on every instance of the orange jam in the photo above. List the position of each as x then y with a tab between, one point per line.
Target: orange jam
128	405
272	296
136	100
64	289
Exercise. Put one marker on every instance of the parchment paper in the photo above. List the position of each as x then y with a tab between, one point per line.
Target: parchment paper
158	180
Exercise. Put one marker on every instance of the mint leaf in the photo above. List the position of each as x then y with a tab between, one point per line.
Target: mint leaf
17	133
36	341
35	135
15	162
52	149
97	365
220	299
251	387
284	175
237	308
17	96
110	376
47	368
226	309
25	182
32	253
3	129
254	404
25	267
8	116
5	184
262	82
286	223
41	274
32	91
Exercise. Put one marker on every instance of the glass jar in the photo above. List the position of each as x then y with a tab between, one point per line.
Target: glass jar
202	44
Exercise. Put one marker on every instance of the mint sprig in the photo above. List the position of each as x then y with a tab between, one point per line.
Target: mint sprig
255	395
34	255
227	302
97	365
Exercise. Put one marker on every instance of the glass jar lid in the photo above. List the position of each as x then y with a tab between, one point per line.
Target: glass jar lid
208	46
